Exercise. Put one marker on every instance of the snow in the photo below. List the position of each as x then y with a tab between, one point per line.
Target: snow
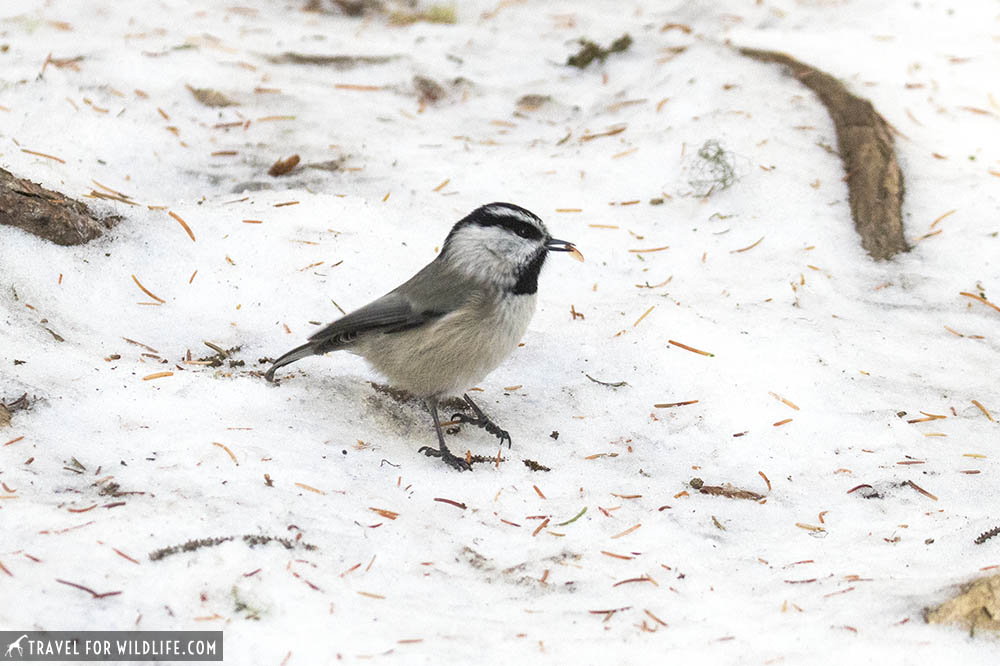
804	315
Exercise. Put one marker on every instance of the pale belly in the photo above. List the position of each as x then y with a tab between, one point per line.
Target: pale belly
453	353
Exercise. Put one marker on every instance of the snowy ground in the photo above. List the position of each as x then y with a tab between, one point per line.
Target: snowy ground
811	574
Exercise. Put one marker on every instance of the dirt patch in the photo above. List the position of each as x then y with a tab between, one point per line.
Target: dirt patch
8	409
249	539
976	607
591	51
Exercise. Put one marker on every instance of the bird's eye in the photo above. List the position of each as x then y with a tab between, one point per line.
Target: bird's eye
522	232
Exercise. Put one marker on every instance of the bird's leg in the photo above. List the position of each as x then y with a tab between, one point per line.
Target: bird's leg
442	452
482	421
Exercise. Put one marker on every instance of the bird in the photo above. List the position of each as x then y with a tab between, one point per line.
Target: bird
455	320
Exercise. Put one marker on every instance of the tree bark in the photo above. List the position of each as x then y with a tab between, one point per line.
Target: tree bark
865	144
47	214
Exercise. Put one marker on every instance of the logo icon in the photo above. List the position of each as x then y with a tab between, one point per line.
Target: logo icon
16	645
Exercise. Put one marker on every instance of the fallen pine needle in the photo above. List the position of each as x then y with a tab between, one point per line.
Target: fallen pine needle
633	325
157	375
640	579
766	480
460	505
935	222
130	559
574	518
690	349
782	422
540	493
651	249
146	291
656	619
666	405
980	299
139	344
14	441
611	384
921	490
108	189
785	400
610	132
310	488
442	185
226	449
182	223
927	417
51	157
811	528
87	589
628	531
748	247
540	527
982	409
620	557
385	513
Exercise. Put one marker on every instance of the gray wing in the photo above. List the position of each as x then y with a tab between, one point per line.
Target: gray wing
390	313
428	295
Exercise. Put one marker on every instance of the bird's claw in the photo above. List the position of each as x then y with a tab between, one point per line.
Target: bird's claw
484	422
447	457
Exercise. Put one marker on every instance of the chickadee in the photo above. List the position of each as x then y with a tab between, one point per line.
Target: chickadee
453	322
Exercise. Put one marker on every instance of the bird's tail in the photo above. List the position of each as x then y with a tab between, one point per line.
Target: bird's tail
308	349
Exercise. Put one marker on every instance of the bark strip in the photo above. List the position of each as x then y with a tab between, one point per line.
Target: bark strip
865	144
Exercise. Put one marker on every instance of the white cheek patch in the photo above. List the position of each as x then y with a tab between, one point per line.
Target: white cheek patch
489	253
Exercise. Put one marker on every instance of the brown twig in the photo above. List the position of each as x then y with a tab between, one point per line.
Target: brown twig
96	595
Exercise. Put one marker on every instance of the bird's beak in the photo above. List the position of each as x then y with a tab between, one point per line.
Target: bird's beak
556	245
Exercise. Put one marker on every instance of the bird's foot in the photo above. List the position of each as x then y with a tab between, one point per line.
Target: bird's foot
482	421
447	457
